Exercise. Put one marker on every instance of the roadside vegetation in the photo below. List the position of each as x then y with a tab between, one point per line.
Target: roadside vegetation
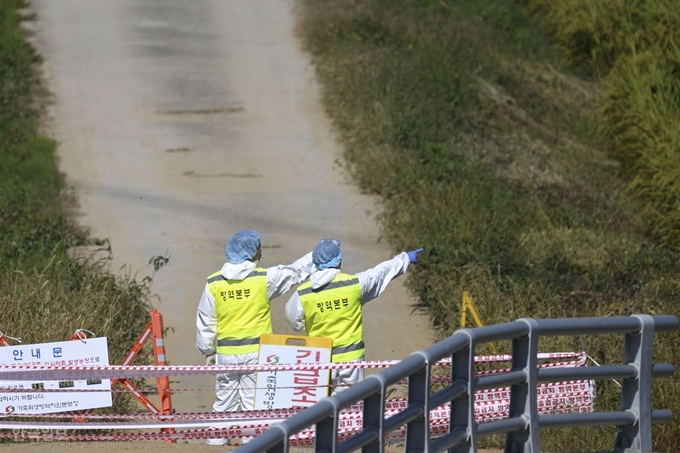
634	49
45	295
534	162
530	146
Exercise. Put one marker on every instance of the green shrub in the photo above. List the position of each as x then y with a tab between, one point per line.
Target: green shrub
641	117
633	48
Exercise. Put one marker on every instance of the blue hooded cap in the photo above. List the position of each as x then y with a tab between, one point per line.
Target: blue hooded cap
242	246
327	254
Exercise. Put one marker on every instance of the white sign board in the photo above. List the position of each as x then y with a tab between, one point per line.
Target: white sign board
90	352
286	389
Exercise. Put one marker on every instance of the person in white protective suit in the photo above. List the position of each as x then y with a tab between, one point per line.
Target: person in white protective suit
235	310
330	304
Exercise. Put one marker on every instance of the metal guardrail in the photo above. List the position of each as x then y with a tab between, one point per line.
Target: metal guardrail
633	421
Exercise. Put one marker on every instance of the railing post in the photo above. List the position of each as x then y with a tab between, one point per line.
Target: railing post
463	408
326	433
636	394
523	401
374	417
418	430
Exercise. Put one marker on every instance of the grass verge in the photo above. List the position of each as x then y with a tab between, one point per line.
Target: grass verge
483	145
44	294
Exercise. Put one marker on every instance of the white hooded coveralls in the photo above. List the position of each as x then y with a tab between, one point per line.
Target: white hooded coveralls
373	283
236	388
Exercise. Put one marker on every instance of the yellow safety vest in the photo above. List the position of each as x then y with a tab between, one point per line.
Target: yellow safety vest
242	310
334	311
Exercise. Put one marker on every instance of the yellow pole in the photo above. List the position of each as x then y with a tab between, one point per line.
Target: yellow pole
469	305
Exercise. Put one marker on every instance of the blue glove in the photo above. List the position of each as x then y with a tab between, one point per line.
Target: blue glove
413	255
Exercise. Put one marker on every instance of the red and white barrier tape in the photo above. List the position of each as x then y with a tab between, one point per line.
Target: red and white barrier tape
392	406
73	372
490	404
348	425
433	380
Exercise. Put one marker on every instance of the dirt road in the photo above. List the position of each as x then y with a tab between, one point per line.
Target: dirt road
180	123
